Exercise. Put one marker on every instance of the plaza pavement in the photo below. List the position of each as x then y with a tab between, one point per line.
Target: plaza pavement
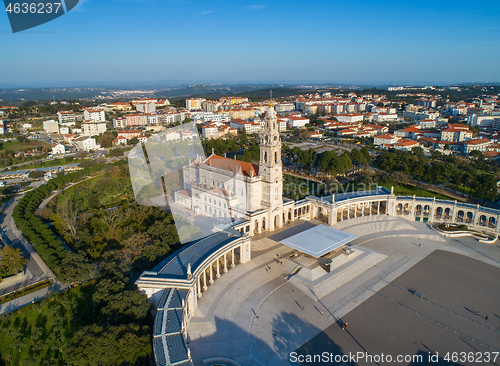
257	317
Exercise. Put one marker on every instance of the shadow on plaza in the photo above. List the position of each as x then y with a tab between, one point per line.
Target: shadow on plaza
287	332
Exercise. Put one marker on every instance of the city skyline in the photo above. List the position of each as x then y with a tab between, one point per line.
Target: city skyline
278	42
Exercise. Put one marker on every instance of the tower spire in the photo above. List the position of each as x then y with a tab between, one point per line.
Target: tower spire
271	104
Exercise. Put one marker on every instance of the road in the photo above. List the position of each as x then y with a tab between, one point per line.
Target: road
14	238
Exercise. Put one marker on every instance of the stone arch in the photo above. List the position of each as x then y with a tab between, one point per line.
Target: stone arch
460	216
276	157
399	208
263	223
427	209
469	218
418	210
276	221
265	156
482	220
290	214
492	222
447	212
256	226
439	212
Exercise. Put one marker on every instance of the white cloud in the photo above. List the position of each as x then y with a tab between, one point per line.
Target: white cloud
254	7
206	12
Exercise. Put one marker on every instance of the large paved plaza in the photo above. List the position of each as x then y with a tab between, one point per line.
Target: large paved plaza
259	317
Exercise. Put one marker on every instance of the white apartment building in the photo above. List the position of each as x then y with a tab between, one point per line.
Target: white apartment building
350	117
66	116
86	143
476	144
297	122
58	148
194	103
97	115
250	127
63	130
456	134
51	126
120	122
93	128
284	107
201	117
387	139
481	121
146	107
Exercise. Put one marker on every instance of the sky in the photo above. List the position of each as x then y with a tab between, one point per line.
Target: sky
349	42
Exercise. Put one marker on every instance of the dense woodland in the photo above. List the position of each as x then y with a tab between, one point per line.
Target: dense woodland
92	232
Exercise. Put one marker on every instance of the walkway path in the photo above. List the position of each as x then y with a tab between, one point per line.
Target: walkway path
257	317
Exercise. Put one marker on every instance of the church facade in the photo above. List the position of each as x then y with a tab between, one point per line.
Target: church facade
232	190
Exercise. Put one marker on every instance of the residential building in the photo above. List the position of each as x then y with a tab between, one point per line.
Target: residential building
456	134
93	128
58	148
97	115
63	130
297	122
51	126
146	107
86	143
120	122
66	116
387	139
194	103
350	117
406	145
250	127
129	134
476	144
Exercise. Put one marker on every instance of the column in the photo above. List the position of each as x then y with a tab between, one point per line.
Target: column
371	207
204	280
355	210
211	274
232	258
341	214
225	262
198	288
218	268
378	207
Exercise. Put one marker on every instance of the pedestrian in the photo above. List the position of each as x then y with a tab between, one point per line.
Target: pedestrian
322	312
477	312
486	317
344	326
419	245
267	269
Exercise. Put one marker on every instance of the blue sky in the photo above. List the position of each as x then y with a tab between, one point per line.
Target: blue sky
239	41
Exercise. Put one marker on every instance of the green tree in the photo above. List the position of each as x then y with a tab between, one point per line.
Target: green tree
11	261
35	174
76	267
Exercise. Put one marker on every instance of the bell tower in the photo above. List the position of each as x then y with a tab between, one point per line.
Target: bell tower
270	167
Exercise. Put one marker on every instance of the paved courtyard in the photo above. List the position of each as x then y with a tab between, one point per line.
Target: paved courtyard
257	317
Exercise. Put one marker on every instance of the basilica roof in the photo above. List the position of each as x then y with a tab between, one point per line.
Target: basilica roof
233	165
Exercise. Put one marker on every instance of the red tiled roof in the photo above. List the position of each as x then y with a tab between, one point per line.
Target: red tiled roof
232	165
185	193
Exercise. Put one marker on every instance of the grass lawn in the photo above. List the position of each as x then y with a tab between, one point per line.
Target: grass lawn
18	146
408	190
46	164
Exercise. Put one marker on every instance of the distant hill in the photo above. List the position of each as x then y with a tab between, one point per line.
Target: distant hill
215	92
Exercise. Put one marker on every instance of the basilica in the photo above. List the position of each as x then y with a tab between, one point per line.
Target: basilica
229	189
